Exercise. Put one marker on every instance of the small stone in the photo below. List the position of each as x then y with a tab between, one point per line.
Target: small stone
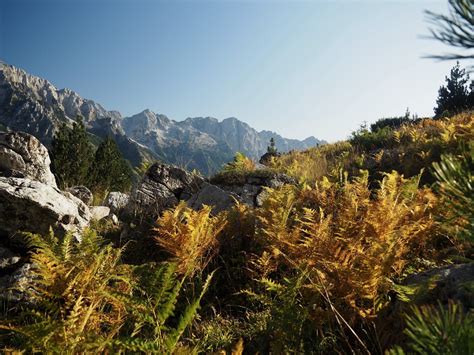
99	212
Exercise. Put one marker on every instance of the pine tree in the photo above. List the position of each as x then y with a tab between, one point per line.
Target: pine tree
110	171
456	96
71	154
271	148
455	29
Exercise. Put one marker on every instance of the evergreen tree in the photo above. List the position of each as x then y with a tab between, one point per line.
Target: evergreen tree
271	148
110	171
455	29
456	96
71	154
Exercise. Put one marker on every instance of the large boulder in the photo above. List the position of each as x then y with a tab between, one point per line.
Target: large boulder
32	206
117	201
162	187
23	156
452	282
266	158
82	193
214	196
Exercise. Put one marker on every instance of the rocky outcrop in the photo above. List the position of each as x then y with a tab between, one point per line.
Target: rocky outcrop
250	187
162	187
23	156
15	284
32	206
82	193
117	201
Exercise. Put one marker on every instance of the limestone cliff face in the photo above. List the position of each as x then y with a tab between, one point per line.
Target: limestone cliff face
217	141
242	138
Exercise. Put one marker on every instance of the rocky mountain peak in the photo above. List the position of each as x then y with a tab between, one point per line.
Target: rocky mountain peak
34	105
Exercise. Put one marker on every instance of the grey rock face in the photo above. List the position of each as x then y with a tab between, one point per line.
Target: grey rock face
117	201
212	195
82	193
14	285
162	187
32	206
22	155
453	282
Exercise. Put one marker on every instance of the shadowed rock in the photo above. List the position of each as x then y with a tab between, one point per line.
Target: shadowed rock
162	187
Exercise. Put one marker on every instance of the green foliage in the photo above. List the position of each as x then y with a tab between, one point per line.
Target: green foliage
456	184
456	96
394	122
143	168
438	331
71	155
271	148
153	326
366	140
287	325
109	170
75	163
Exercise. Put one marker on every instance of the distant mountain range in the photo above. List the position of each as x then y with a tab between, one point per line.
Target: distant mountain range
32	104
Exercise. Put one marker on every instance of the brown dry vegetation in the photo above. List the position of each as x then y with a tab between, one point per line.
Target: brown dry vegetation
311	271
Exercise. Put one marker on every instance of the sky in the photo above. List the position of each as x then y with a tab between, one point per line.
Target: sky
299	68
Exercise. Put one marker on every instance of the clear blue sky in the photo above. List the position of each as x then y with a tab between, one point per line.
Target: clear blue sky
299	68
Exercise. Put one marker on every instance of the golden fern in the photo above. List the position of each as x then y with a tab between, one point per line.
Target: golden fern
190	237
353	241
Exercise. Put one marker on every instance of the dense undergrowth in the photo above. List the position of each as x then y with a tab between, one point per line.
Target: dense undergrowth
314	270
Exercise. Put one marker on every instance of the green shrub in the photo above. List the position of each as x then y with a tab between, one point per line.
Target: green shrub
456	185
438	331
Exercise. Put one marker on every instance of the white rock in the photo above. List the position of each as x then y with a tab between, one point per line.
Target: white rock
32	206
99	212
